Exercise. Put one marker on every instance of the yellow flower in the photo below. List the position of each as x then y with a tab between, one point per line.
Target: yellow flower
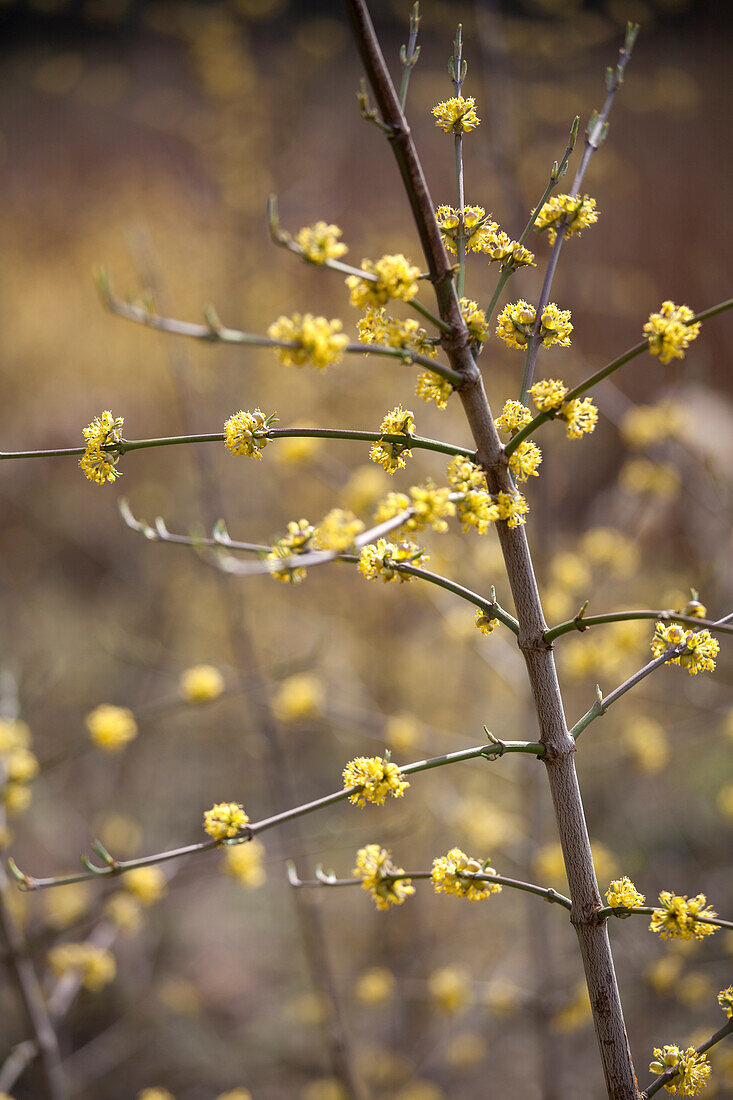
515	323
299	697
396	278
475	318
392	456
510	253
96	966
513	416
512	508
16	799
319	342
645	740
670	333
402	731
645	425
725	1000
14	734
110	728
155	1094
659	479
375	868
450	989
693	1069
678	917
375	986
244	862
451	874
296	541
524	461
320	242
549	394
429	504
580	415
65	905
622	894
702	647
146	884
378	327
225	820
456	115
479	232
483	622
201	684
581	211
98	463
245	432
124	912
432	387
364	488
21	766
337	530
375	778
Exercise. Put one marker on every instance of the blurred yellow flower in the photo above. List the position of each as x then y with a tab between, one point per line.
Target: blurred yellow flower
201	684
298	698
450	990
110	727
375	986
244	862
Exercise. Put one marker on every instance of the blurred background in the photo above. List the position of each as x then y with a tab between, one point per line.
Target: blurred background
147	136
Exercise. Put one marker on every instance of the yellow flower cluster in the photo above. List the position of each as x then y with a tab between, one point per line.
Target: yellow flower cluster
375	778
318	341
451	874
670	333
725	1000
378	559
201	684
97	463
515	323
475	319
513	416
337	530
622	894
703	648
483	622
456	115
432	387
378	327
580	414
95	966
146	884
579	210
392	456
396	278
524	461
320	242
244	862
19	766
296	541
640	476
510	253
645	425
375	986
225	820
512	508
110	728
299	697
429	504
678	917
245	432
374	867
450	989
479	232
475	508
693	1069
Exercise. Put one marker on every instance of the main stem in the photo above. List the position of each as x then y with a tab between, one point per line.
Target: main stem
560	748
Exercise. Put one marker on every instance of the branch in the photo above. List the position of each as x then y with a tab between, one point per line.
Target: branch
595	134
668	1075
410	53
215	333
113	867
648	910
602	704
579	390
581	622
322	879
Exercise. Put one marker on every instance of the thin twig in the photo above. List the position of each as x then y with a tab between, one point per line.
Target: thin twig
582	622
595	134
